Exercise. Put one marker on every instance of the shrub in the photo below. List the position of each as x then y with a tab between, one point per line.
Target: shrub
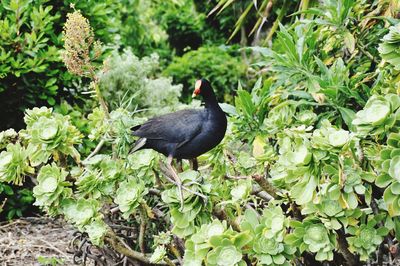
218	64
135	83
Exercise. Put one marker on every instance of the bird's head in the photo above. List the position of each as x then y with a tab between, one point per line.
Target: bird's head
203	87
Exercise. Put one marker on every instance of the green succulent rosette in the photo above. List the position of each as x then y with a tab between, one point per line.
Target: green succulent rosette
129	196
96	230
6	137
216	245
51	188
50	134
14	164
80	212
378	116
293	169
99	177
267	233
32	115
348	190
389	177
329	138
366	238
193	212
331	212
389	49
312	236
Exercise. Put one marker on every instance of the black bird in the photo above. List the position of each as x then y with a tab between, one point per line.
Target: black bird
184	134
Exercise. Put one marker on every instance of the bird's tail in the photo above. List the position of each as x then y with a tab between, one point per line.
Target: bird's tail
138	144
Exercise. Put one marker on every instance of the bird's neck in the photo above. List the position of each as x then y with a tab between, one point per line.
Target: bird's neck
211	103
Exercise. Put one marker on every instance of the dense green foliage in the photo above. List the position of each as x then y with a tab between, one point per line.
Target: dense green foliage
307	173
222	65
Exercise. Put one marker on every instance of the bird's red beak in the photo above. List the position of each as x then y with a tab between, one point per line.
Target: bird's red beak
196	88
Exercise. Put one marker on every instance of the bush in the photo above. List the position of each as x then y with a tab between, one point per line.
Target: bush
135	83
220	65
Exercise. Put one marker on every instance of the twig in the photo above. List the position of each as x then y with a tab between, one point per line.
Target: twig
142	230
168	261
266	186
366	53
236	177
221	214
96	150
176	252
274	27
118	245
350	258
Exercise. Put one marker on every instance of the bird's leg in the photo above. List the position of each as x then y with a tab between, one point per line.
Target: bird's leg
194	164
177	182
179	165
176	177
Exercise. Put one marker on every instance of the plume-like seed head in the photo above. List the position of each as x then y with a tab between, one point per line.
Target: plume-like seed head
79	44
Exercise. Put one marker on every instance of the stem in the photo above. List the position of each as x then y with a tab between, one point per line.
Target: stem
117	244
96	150
277	21
221	214
303	7
100	96
265	185
176	252
142	230
350	258
168	261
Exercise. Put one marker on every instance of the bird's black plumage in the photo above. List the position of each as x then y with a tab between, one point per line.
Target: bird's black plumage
185	134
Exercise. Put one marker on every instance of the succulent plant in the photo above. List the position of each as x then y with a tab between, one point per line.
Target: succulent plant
96	230
366	238
280	117
226	254
129	196
327	137
80	212
389	48
96	123
267	233
312	236
216	244
14	164
6	137
51	187
348	182
390	174
378	116
193	211
50	134
242	190
158	254
99	176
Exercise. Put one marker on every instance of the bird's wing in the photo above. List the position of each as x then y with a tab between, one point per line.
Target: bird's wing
178	127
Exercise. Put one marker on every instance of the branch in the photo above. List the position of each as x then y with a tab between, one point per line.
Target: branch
221	214
261	193
265	185
96	150
176	252
350	258
142	230
117	244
